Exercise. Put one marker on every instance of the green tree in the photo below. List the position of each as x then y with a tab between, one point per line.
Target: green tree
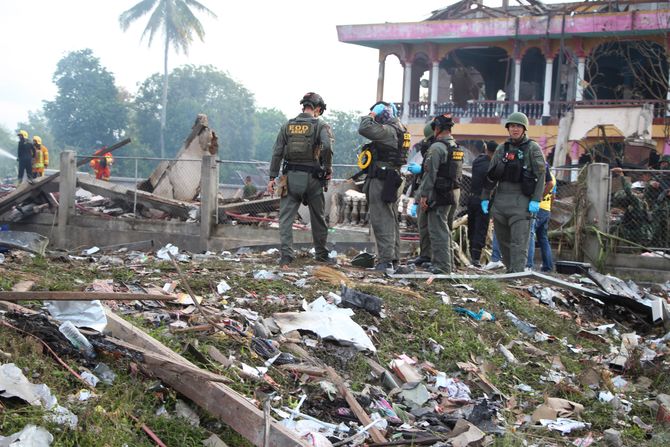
87	107
178	24
267	124
347	139
228	105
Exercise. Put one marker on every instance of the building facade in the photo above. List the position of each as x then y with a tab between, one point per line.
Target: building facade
482	63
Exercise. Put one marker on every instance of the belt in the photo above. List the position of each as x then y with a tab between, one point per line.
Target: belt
301	168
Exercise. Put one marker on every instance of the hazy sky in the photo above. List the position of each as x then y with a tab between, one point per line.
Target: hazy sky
277	49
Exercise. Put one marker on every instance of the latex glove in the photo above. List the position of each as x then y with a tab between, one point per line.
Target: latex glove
378	109
534	207
413	210
394	109
414	168
485	206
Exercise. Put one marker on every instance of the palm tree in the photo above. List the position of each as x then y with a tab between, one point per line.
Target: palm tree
178	24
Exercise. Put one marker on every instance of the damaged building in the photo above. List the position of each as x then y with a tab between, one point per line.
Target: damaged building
482	63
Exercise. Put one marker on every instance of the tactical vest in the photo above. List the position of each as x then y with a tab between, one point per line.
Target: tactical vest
396	156
303	140
448	177
512	166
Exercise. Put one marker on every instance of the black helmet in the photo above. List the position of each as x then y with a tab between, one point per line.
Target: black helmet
313	99
442	121
364	259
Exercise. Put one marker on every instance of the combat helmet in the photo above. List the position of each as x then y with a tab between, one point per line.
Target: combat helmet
517	118
428	131
442	121
314	100
363	259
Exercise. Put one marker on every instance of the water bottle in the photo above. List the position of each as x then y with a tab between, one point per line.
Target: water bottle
77	339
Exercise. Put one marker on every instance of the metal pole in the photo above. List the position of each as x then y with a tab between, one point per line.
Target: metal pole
135	194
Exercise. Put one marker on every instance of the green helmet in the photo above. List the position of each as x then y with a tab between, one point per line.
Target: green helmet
517	118
428	131
664	159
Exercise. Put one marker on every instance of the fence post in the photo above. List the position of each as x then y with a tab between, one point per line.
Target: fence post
209	182
597	195
66	189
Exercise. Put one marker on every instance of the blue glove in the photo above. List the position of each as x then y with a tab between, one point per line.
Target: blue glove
485	206
394	109
534	207
414	209
414	168
378	109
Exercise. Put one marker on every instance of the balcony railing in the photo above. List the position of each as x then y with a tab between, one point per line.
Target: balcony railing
532	109
661	107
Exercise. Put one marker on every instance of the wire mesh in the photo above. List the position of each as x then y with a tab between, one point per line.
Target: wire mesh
639	211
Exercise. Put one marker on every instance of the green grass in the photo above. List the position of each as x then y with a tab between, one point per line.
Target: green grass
407	327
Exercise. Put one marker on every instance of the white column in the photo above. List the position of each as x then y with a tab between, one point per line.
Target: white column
407	83
434	86
517	83
380	80
667	110
548	72
579	91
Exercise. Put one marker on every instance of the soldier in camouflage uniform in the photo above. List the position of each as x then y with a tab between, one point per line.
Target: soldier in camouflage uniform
635	224
421	219
441	178
305	144
517	172
389	147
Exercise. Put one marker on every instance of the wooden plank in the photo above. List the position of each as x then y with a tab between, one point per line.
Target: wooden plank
356	408
120	193
38	295
154	360
218	399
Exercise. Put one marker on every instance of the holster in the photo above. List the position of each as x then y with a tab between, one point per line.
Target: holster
528	183
392	182
282	186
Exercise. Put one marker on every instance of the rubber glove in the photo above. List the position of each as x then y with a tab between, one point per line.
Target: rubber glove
413	210
534	207
378	109
414	168
394	109
485	206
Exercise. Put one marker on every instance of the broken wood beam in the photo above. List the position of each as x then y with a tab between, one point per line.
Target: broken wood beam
304	369
120	193
80	296
356	408
218	399
154	360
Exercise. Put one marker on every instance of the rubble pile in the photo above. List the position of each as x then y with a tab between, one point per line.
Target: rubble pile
345	356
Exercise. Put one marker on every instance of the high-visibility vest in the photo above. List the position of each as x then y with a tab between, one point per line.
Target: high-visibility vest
545	204
38	159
